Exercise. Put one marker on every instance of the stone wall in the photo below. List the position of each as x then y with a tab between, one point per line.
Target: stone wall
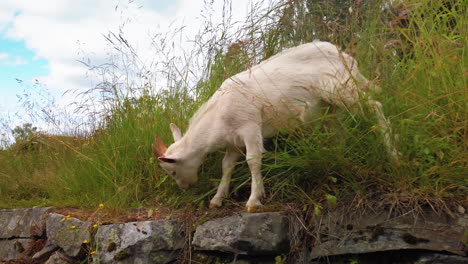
41	236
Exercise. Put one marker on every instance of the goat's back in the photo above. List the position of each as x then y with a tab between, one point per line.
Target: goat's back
289	85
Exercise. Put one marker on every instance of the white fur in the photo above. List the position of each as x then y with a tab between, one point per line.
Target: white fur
253	104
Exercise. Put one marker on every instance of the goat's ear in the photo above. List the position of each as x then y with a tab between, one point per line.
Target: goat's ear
175	132
167	160
159	149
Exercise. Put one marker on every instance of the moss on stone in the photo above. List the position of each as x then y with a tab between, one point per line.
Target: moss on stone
121	255
111	246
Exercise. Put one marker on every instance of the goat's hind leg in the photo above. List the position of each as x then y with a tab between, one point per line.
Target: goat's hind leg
231	156
386	130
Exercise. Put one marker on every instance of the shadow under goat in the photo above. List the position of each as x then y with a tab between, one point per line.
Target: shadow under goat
253	104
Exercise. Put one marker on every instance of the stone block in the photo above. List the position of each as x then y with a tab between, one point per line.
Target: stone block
68	233
139	242
378	233
11	249
59	258
22	223
246	234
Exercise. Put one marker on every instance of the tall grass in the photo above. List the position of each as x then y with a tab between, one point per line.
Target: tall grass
419	61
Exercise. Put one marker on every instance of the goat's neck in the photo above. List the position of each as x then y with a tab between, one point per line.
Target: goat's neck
202	138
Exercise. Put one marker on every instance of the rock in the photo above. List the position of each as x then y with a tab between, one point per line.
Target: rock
46	250
59	258
139	242
436	258
247	234
67	233
246	238
376	233
23	223
11	249
212	257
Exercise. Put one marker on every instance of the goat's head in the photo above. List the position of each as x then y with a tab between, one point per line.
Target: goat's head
174	160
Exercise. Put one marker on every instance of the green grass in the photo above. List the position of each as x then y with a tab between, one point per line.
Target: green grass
423	75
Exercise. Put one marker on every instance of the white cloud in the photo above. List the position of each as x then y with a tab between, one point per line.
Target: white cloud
64	31
8	60
16	62
7	12
4	56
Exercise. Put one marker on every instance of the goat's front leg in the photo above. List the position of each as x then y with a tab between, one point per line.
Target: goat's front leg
231	156
254	148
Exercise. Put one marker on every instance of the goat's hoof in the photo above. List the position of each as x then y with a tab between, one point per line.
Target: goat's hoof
252	209
253	206
216	202
255	209
213	205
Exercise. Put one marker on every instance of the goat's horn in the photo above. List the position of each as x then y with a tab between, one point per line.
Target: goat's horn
160	148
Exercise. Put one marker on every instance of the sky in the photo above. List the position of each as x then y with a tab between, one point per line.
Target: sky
42	42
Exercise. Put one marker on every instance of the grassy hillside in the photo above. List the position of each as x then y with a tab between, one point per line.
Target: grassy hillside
415	51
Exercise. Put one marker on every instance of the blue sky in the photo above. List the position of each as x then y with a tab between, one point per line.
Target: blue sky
16	62
26	55
45	41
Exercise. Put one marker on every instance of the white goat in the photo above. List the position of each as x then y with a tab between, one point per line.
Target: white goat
251	105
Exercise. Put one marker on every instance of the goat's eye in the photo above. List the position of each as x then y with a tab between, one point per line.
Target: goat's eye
173	173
